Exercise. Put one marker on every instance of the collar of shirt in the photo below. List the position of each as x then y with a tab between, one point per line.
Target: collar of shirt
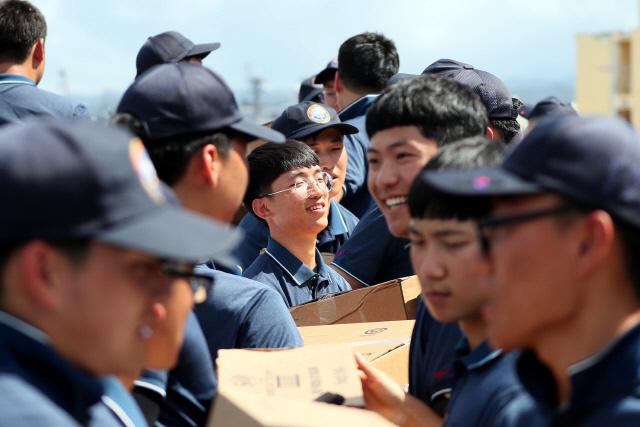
296	269
121	403
6	79
337	225
609	372
30	357
357	108
468	360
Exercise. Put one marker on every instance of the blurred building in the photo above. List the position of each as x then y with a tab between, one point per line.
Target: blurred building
608	75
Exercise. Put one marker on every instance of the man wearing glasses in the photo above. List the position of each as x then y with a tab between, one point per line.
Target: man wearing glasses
290	192
90	243
563	238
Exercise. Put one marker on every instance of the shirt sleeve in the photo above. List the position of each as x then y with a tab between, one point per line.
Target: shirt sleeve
268	324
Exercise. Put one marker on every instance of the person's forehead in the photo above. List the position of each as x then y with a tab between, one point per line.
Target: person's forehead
300	172
441	227
392	138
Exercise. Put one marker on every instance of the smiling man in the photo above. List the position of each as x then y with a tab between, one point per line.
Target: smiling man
407	125
563	240
320	128
290	192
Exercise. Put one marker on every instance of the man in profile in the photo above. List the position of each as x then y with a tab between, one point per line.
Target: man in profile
23	30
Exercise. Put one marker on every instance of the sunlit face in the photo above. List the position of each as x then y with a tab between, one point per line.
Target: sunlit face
234	178
533	292
453	273
106	307
296	211
329	147
395	157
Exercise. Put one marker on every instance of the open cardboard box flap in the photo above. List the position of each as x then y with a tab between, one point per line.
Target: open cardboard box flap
392	300
384	344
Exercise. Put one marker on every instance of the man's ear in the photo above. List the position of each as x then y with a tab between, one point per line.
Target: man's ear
596	241
38	52
209	164
260	207
42	270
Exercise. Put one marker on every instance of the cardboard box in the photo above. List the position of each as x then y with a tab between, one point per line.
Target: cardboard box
392	300
305	372
234	409
384	344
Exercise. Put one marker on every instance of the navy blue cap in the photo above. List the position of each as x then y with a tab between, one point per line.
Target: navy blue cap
183	99
589	160
549	106
307	118
170	46
328	73
309	91
83	180
493	92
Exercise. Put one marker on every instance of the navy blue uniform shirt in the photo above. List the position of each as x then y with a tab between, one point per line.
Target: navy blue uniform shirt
256	234
291	278
356	194
372	255
605	387
431	356
486	387
242	313
39	387
21	98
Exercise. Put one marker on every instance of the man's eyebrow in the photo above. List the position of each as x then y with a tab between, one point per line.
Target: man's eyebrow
447	232
389	147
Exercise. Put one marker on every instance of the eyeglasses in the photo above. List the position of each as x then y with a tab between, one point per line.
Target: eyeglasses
500	221
303	186
201	284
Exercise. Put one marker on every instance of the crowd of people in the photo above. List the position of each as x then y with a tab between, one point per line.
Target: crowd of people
121	276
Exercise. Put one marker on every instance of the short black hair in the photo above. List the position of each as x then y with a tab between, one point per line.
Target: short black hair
443	109
21	26
469	153
269	161
366	62
508	127
171	156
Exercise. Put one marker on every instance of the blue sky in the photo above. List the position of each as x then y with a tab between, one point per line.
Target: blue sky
283	41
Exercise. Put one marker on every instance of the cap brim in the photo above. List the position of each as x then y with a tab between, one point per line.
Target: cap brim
202	50
257	131
173	233
479	182
325	75
312	94
345	128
